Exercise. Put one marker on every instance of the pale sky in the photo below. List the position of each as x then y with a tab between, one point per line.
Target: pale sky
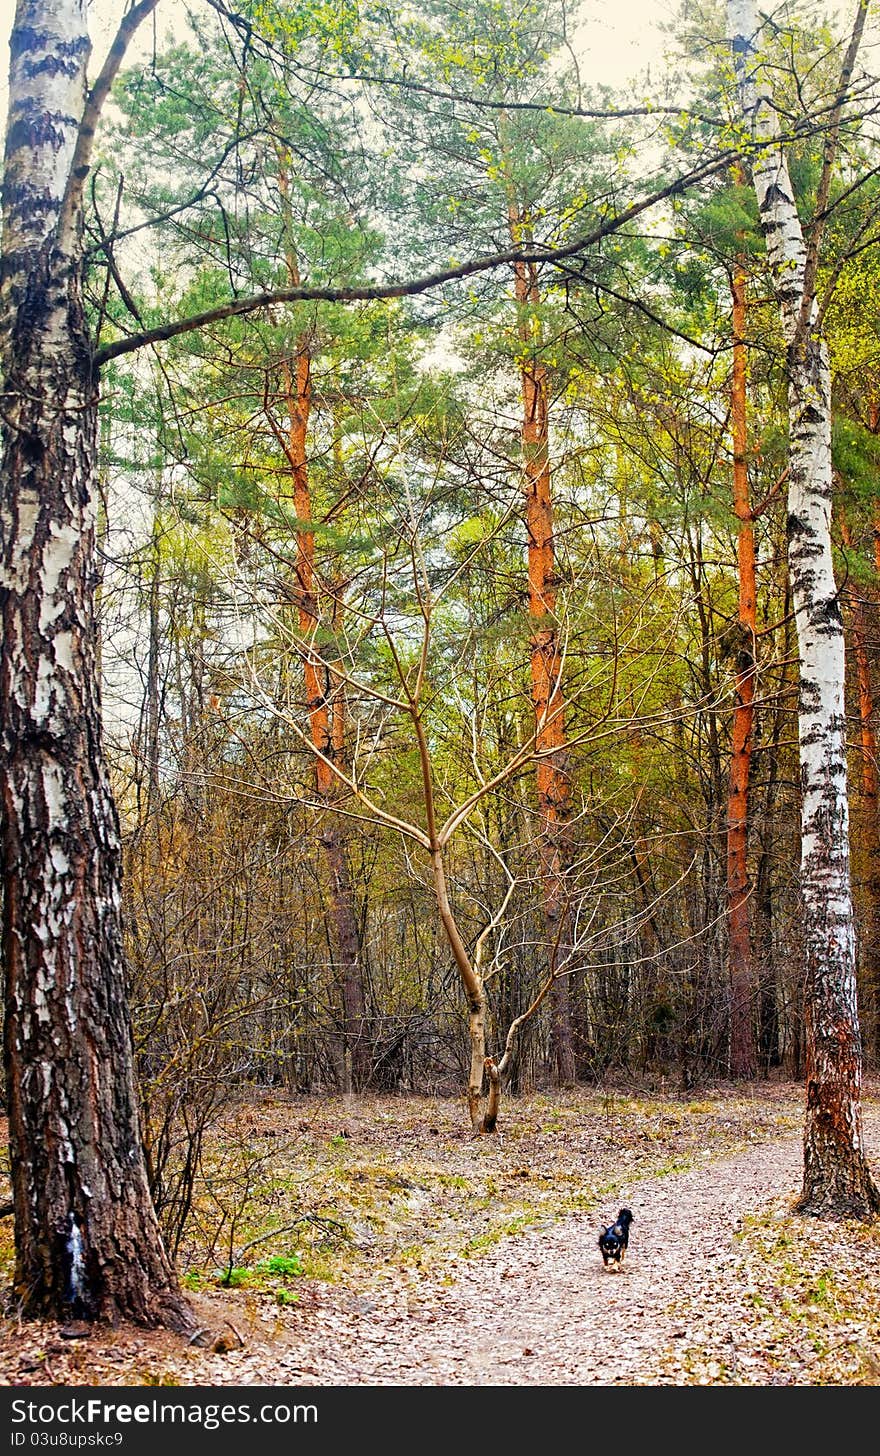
616	42
620	37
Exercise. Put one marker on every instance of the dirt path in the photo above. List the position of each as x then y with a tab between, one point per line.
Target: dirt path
794	1301
544	1310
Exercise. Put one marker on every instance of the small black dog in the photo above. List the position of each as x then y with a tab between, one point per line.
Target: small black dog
613	1240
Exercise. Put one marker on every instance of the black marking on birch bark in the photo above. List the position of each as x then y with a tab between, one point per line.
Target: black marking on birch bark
809	581
804	438
796	527
28	38
804	364
775	194
810	695
33	204
827	617
815	735
51	65
20	743
837	725
53	129
810	415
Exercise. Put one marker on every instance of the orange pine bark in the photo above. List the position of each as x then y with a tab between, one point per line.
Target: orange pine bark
325	697
298	394
325	706
867	736
870	784
553	776
741	970
872	799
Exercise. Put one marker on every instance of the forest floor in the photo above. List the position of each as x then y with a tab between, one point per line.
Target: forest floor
373	1241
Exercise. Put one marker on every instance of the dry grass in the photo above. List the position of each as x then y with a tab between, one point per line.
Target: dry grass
370	1194
804	1298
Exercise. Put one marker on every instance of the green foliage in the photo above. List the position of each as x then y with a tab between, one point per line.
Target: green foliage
288	1265
286	1296
410	499
264	1274
235	1277
856	455
727	221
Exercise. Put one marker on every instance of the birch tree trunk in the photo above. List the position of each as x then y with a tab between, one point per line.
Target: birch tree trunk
87	1239
837	1178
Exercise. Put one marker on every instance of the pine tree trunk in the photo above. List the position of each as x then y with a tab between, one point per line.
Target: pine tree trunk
325	708
742	1032
870	797
765	818
87	1239
837	1179
152	704
553	776
874	871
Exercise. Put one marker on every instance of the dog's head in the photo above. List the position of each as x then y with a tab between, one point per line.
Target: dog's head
614	1237
611	1244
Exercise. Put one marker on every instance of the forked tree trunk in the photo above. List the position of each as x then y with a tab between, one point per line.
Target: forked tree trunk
837	1179
552	771
742	1029
87	1239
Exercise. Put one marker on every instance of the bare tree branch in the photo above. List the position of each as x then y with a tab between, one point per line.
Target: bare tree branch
82	155
373	292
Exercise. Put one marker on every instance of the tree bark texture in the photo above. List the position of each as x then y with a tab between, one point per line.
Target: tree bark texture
548	701
87	1239
837	1178
742	1030
325	705
870	797
471	980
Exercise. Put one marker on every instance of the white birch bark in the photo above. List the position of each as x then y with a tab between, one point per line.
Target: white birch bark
87	1239
836	1177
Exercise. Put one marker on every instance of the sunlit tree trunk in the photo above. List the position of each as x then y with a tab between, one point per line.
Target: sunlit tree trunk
87	1239
874	868
325	696
742	1032
553	774
837	1179
870	795
148	785
325	705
